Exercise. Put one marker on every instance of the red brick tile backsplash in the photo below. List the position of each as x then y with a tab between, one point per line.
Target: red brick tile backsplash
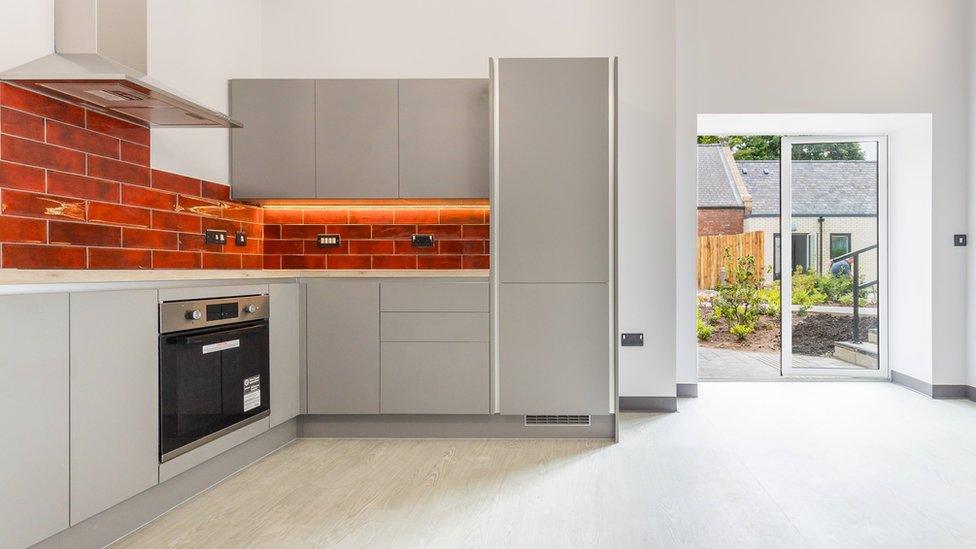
376	237
77	192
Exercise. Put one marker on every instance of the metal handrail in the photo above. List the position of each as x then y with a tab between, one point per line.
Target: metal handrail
853	254
856	288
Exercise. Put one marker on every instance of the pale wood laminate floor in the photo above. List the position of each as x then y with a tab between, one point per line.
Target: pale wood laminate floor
744	465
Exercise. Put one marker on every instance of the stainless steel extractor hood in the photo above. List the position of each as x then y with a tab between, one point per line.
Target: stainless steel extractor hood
100	63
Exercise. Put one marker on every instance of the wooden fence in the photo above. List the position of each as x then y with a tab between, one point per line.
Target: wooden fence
711	255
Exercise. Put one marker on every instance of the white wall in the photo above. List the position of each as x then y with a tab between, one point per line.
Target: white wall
195	47
447	38
26	31
971	271
853	56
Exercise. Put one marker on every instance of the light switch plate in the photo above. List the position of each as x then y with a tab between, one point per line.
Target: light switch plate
211	236
328	240
959	240
422	241
632	340
240	238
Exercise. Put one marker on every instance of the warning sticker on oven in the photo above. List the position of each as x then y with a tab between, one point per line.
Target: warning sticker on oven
252	392
222	346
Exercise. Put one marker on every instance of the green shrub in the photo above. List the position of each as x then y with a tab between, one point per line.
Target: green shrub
740	331
704	329
770	300
834	287
805	292
738	300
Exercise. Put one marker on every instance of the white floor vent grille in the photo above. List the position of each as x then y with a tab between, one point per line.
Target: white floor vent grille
580	421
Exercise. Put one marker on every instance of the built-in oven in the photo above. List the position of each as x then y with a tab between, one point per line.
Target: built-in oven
213	370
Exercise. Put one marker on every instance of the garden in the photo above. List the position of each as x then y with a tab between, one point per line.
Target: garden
743	312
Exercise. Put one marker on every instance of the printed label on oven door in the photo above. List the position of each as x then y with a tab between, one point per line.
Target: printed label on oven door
222	346
252	392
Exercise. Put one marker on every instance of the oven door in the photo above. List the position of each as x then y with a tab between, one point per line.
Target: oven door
211	381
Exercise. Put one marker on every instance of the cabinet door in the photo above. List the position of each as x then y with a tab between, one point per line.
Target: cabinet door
443	138
356	138
284	341
343	342
554	157
435	378
114	398
34	415
554	351
273	155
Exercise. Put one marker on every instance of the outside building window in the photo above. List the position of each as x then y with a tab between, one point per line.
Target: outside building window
840	244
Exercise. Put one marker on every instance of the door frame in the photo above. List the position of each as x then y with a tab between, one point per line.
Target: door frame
786	251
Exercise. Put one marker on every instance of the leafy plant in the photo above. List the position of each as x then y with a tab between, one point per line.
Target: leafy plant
740	331
834	287
805	292
704	329
770	300
738	299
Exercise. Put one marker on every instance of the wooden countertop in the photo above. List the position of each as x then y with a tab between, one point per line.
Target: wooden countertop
22	277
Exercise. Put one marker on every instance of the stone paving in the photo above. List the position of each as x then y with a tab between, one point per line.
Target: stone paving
716	363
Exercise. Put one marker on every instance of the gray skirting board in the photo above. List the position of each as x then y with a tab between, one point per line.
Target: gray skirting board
445	426
133	513
687	390
648	404
933	391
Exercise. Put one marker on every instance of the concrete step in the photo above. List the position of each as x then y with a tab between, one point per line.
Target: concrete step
860	354
873	336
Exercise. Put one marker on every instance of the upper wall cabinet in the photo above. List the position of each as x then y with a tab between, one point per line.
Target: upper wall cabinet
347	138
443	139
273	155
356	138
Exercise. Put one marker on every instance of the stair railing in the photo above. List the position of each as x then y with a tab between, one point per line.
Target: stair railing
856	287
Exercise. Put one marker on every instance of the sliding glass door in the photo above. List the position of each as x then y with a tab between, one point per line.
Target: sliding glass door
833	268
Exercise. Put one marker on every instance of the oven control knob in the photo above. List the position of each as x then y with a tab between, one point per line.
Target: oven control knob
195	314
251	309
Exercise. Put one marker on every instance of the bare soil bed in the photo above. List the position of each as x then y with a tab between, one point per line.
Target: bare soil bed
814	334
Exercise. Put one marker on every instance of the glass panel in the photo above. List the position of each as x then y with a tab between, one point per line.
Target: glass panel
739	302
835	204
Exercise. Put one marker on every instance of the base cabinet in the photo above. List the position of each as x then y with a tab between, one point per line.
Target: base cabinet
34	412
285	342
343	346
114	398
434	378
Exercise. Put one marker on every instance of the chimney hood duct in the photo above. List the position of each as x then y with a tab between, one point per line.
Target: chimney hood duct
101	63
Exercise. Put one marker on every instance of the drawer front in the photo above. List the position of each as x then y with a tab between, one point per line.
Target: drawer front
434	327
434	378
434	296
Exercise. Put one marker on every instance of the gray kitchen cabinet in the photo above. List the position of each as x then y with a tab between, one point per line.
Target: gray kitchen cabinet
435	378
434	326
273	155
419	296
554	159
555	349
34	468
356	138
114	398
343	346
284	339
554	126
443	138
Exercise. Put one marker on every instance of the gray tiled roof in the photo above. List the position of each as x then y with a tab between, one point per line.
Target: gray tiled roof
838	188
715	186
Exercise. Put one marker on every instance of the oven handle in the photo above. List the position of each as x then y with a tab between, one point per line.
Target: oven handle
194	340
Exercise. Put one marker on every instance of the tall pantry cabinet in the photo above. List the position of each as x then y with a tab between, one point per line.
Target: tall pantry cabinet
553	217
